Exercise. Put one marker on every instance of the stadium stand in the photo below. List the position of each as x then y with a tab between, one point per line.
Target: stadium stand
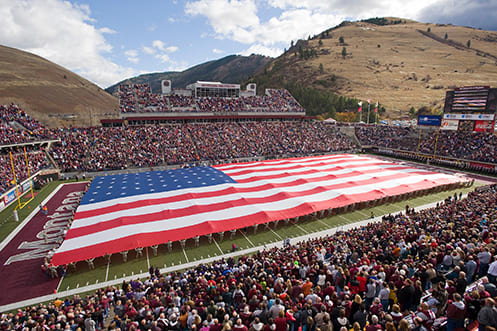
432	269
95	149
474	146
138	98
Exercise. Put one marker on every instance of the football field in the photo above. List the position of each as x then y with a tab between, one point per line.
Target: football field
176	257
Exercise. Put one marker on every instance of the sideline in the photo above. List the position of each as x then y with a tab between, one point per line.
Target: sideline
28	218
278	244
18	229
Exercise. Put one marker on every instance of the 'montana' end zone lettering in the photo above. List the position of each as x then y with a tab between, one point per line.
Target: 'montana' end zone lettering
53	231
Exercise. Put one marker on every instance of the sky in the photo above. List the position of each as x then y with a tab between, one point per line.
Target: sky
107	41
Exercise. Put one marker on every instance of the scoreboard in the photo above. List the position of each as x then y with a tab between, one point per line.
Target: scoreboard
470	108
471	99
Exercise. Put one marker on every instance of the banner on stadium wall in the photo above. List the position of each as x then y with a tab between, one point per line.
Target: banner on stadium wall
430	120
2	204
483	165
471	117
450	124
26	186
466	125
484	126
11	196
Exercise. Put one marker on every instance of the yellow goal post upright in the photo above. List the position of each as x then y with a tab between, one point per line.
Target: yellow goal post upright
18	193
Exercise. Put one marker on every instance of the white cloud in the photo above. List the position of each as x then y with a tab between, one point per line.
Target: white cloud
171	49
149	50
107	30
158	44
217	51
163	57
226	17
238	20
132	55
63	33
262	50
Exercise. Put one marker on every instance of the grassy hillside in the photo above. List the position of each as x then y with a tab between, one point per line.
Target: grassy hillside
400	63
49	92
230	69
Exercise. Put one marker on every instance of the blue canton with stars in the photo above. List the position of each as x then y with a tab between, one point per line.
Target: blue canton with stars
119	186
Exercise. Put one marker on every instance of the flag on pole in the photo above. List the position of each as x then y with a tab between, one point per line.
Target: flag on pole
360	107
376	107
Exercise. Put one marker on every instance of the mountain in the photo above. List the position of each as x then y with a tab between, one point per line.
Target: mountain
51	93
398	62
230	69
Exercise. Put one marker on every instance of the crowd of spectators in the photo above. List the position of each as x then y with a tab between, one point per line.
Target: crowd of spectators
13	113
36	158
28	129
475	146
218	104
411	271
282	99
127	99
139	98
99	148
479	146
90	149
180	101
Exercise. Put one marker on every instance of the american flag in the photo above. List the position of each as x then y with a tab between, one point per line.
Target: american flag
123	212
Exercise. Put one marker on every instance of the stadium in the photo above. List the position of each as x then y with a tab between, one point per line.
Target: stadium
210	206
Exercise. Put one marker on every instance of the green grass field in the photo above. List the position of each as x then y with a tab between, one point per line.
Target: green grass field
82	276
7	222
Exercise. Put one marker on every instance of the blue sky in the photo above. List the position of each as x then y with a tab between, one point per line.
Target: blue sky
106	41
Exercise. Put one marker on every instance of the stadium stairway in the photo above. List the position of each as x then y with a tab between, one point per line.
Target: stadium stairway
349	131
16	125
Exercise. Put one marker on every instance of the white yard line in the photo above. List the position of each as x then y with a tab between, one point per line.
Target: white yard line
277	235
186	256
148	260
60	282
301	228
218	247
250	241
107	272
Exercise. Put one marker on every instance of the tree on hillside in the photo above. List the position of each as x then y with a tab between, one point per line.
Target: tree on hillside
341	40
344	52
321	68
468	44
412	112
429	29
320	43
446	36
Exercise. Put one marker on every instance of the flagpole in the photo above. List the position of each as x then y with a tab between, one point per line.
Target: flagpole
376	114
367	121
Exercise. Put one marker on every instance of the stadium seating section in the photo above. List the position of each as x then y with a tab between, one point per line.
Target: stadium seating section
424	270
138	98
99	148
